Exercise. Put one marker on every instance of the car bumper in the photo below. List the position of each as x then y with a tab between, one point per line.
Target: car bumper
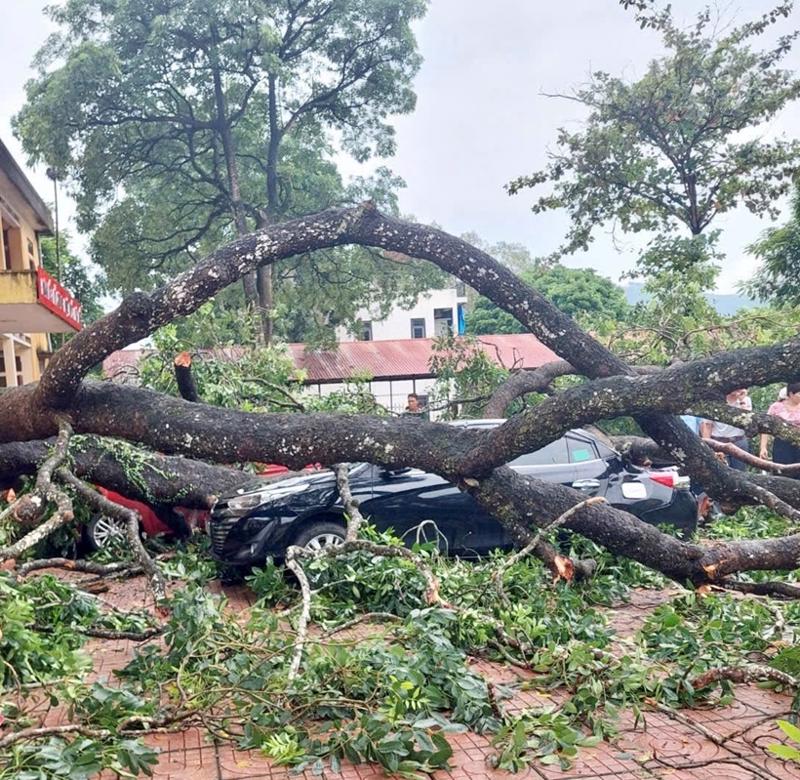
249	540
681	513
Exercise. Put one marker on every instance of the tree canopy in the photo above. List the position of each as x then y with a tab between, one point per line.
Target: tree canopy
778	277
181	124
676	148
580	292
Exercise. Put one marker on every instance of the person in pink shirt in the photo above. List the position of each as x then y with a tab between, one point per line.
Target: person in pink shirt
787	409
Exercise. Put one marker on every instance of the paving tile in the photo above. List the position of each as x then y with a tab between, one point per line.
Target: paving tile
764	700
670	739
191	739
244	763
717	771
188	755
601	761
186	763
739	709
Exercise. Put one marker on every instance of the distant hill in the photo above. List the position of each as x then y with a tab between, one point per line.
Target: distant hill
725	303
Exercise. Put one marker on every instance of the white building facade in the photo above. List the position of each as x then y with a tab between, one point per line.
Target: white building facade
436	313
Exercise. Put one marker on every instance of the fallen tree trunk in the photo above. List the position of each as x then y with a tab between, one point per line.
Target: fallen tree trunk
521	503
140	314
158	478
470	459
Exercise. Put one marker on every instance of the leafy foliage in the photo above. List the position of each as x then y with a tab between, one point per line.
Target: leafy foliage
778	251
580	292
463	372
674	148
393	694
250	377
788	752
246	378
214	117
41	621
80	759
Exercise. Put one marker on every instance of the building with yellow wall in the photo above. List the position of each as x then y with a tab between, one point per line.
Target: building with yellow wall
32	303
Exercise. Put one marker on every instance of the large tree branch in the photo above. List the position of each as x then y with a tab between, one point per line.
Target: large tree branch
520	503
141	314
160	479
30	508
176	426
674	389
131	518
536	380
522	382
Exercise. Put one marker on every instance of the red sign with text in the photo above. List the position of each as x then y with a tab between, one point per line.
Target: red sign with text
57	299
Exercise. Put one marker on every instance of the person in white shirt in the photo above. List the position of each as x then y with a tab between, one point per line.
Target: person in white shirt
723	432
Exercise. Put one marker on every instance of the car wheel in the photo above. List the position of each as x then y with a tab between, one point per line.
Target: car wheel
102	530
317	536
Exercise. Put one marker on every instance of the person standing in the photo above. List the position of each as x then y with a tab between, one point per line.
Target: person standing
730	434
788	410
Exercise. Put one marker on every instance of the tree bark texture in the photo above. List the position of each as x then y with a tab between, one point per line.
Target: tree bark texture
469	458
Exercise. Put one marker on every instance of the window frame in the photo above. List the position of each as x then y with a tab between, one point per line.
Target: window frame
365	327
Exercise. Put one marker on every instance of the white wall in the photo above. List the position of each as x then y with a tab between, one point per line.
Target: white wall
397	325
393	395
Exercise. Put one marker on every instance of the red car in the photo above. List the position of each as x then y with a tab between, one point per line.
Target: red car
101	528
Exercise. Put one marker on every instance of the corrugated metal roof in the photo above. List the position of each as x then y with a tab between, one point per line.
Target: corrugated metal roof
409	358
381	360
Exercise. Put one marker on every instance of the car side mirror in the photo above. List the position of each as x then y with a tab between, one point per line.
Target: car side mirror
392	473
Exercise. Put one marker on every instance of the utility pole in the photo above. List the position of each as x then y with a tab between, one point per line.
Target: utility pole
51	174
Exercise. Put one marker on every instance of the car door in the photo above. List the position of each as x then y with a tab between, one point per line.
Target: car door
421	506
550	463
592	474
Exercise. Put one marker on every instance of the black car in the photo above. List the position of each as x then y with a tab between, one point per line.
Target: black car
263	520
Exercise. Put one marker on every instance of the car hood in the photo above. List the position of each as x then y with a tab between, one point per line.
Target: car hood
312	478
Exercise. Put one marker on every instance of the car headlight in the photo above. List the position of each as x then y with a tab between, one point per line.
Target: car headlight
252	500
248	501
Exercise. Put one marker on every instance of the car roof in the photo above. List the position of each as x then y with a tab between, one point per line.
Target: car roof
494	422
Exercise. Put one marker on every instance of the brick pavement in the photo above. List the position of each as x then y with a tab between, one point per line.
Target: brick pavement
703	744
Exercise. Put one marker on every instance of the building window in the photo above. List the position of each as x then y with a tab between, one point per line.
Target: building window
18	364
6	264
365	331
418	328
442	322
3	382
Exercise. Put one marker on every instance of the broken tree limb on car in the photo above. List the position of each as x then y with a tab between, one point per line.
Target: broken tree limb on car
131	518
520	503
470	459
33	506
141	314
158	478
354	517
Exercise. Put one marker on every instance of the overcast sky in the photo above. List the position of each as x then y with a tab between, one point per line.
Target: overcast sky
480	119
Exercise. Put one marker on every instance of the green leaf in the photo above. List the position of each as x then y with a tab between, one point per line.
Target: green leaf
791	731
785	751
